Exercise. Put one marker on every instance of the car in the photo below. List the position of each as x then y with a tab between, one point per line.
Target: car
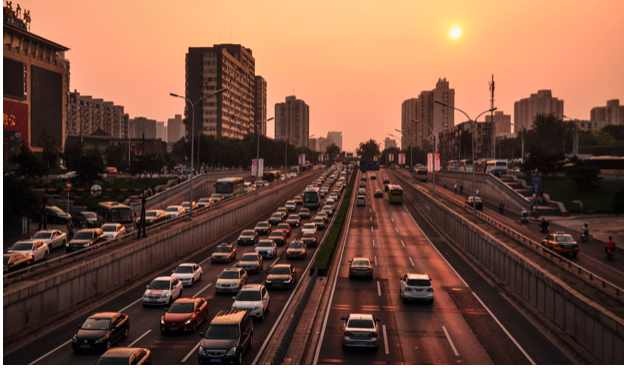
253	298
14	261
282	210
153	217
323	215
113	230
248	237
308	227
297	249
223	253
188	273
251	262
265	183
362	192
310	238
85	238
276	218
378	193
334	196
85	219
299	200
319	222
205	202
259	184
331	202
162	290
561	243
53	238
304	213
100	331
281	276
217	197
478	202
266	248
184	315
278	237
362	184
231	279
228	337
175	211
364	178
373	177
126	356
291	206
361	200
285	228
293	220
56	215
263	228
386	181
187	206
361	267
386	187
328	210
360	330
415	286
67	175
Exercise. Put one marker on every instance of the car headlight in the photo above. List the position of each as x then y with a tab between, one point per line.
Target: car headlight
232	351
162	320
233	306
202	351
74	339
287	281
188	322
257	307
100	340
166	293
268	281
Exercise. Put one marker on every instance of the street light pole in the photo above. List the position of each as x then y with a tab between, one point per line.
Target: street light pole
433	133
193	133
258	152
474	202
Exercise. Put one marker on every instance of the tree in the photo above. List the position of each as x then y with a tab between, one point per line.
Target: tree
50	153
73	152
549	135
25	203
544	162
116	156
368	150
28	164
617	204
616	131
147	163
332	150
585	175
89	167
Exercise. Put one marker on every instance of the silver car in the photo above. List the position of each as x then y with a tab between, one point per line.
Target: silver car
361	200
251	262
53	238
360	330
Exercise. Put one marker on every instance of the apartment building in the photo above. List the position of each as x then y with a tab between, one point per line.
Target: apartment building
409	111
612	114
336	137
175	129
141	127
449	143
541	102
261	105
87	114
502	122
292	121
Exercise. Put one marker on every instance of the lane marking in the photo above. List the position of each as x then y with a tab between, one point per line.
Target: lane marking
371	229
450	341
199	292
130	305
376	260
412	262
392	218
371	218
192	351
385	339
49	353
370	210
378	288
504	329
402	243
140	337
274	262
397	230
373	242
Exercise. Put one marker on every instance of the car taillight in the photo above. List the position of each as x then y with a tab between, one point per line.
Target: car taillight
348	334
407	289
372	334
430	290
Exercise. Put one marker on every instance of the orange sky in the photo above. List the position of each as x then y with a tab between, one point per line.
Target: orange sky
353	62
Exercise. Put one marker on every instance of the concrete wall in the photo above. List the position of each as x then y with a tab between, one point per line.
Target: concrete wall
594	328
36	302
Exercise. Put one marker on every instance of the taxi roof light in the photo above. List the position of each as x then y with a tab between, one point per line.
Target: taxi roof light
560	232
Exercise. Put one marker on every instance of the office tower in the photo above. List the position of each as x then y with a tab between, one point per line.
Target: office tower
336	137
292	121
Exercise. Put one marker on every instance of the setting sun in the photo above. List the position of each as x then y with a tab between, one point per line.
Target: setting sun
456	32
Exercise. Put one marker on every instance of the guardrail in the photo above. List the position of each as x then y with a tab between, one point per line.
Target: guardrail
574	269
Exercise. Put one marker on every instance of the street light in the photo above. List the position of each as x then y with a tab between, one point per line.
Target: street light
411	145
398	160
314	150
472	122
193	133
433	133
258	126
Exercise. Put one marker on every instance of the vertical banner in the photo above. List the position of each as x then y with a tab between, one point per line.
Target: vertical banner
437	162
303	159
429	162
261	167
375	158
253	167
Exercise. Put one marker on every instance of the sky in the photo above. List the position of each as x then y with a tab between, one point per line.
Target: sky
352	62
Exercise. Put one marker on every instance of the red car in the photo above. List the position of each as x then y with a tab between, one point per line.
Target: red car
285	228
279	237
185	314
298	200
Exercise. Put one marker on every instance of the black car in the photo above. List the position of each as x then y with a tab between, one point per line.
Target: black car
14	261
263	228
478	202
282	276
276	218
85	238
378	193
248	237
85	219
153	217
228	337
56	215
100	331
126	356
278	237
386	181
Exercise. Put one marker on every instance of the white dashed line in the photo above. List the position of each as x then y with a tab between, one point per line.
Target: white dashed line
402	243
191	352
396	230
385	339
49	353
412	262
378	288
373	242
376	260
371	229
199	292
392	218
130	305
140	337
371	218
274	262
450	341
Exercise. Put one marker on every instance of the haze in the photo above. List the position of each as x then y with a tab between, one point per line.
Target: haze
353	62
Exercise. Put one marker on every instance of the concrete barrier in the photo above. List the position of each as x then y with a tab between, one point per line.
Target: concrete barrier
35	303
589	326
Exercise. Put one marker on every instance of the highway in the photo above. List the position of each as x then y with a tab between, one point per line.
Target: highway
469	321
55	347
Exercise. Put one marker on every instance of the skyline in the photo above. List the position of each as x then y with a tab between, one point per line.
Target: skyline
323	57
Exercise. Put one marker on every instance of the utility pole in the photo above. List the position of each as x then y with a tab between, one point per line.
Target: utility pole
492	119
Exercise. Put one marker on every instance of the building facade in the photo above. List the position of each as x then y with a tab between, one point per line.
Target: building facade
409	111
322	143
100	140
449	143
312	144
209	69
140	126
612	114
261	105
336	137
502	122
389	143
161	131
541	102
292	121
87	114
175	129
592	126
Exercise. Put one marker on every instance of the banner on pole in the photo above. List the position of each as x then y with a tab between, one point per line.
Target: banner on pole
430	163
253	167
260	167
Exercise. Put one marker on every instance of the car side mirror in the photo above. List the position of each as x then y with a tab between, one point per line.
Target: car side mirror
147	286
172	271
372	262
201	334
79	326
166	309
343	319
233	298
377	320
265	298
430	279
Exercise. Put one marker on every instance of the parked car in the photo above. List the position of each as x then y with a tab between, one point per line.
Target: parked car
188	273
113	231
251	262
184	315
416	287
53	238
162	290
175	211
100	331
228	337
15	261
253	298
126	356
223	253
85	238
282	276
360	330
266	248
85	219
231	279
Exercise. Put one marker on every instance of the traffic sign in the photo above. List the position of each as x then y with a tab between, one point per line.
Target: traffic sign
536	184
96	190
369	166
68	185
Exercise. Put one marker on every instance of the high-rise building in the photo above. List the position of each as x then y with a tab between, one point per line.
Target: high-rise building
389	143
336	137
161	131
175	129
261	105
409	111
541	102
612	114
208	69
322	143
312	144
87	114
502	122
292	121
426	112
141	125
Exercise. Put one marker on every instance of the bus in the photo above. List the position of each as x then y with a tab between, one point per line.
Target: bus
480	166
453	165
230	186
271	176
312	198
421	174
608	165
115	212
395	193
465	165
496	167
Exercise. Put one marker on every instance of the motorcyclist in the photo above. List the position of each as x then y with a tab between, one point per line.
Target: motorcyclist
543	223
70	230
445	184
455	188
610	246
585	230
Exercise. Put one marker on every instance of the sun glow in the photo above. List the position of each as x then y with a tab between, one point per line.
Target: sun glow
456	32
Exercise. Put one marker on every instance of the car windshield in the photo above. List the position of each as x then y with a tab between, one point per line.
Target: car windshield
109	228
43	235
181	308
84	235
121	214
276	234
159	285
172	209
361	323
262	224
564	238
249	258
361	262
308	235
151	213
293	217
247	233
184	269
276	216
282	227
96	324
221	332
279	271
248	296
216	196
423	283
113	361
317	220
89	215
230	275
296	245
327	208
265	244
186	204
222	250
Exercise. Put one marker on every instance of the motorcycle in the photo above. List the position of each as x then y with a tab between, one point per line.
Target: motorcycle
524	217
584	236
544	228
610	253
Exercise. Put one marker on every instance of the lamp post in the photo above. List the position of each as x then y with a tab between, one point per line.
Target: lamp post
433	133
411	145
314	150
193	133
258	126
472	122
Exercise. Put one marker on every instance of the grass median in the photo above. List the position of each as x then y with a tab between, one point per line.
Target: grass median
328	248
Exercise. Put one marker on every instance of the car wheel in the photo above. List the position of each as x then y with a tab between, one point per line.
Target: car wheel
195	326
262	316
126	332
200	276
63	244
45	256
108	345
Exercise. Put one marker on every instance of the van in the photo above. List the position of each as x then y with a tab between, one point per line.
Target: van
228	337
249	187
111	172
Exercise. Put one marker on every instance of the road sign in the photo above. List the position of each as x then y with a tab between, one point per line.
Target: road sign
96	190
369	166
68	185
536	184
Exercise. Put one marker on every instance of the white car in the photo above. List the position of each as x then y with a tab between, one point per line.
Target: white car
330	202
253	298
113	230
231	279
162	290
329	210
291	206
360	330
175	211
53	238
34	248
266	248
188	273
308	227
67	175
416	287
333	196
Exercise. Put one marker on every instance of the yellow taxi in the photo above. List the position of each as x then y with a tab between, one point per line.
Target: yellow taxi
224	253
561	243
297	249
